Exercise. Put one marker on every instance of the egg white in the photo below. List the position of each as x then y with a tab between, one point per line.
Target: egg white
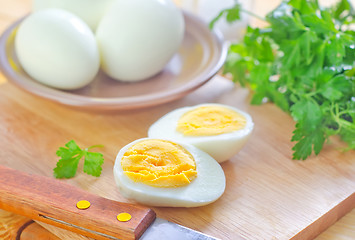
221	147
206	188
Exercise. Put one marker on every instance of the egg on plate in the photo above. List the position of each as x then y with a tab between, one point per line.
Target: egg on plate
137	38
91	11
219	130
159	172
57	48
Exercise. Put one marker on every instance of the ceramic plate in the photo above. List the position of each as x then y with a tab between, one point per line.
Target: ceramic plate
199	58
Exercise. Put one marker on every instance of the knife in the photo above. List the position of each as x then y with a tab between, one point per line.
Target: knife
55	202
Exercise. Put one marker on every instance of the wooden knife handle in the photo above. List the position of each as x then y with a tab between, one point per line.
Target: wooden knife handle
54	202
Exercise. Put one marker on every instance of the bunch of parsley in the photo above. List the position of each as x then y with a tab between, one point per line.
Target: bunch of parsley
304	63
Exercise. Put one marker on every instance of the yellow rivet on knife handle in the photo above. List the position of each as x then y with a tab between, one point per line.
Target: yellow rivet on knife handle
83	204
124	217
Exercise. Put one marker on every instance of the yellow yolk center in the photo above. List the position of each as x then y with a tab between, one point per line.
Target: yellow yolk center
159	163
209	121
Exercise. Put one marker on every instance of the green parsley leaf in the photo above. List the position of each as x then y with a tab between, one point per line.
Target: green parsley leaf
307	142
92	163
231	14
304	62
348	136
70	156
342	11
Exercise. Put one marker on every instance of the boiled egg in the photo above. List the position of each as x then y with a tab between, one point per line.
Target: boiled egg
137	38
219	130
159	172
58	49
91	11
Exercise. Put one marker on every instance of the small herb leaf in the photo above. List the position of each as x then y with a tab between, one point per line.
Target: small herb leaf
70	156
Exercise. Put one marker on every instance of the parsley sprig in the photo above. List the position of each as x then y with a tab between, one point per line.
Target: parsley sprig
70	156
304	62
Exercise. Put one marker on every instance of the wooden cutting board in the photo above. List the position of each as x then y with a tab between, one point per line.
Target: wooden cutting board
268	195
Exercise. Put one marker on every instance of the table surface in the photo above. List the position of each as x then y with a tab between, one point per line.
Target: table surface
12	10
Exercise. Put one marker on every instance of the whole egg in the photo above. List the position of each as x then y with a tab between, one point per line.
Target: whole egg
137	38
58	49
91	11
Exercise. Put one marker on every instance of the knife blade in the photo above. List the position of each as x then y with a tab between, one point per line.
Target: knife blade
54	202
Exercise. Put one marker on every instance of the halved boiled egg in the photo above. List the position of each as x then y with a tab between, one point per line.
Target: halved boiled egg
159	172
219	130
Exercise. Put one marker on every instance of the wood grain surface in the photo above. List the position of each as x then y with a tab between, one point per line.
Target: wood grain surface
268	195
11	224
14	226
48	200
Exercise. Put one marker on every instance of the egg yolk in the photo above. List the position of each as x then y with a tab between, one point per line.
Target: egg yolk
209	121
159	163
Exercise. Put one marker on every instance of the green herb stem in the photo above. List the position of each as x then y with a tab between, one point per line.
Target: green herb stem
253	14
